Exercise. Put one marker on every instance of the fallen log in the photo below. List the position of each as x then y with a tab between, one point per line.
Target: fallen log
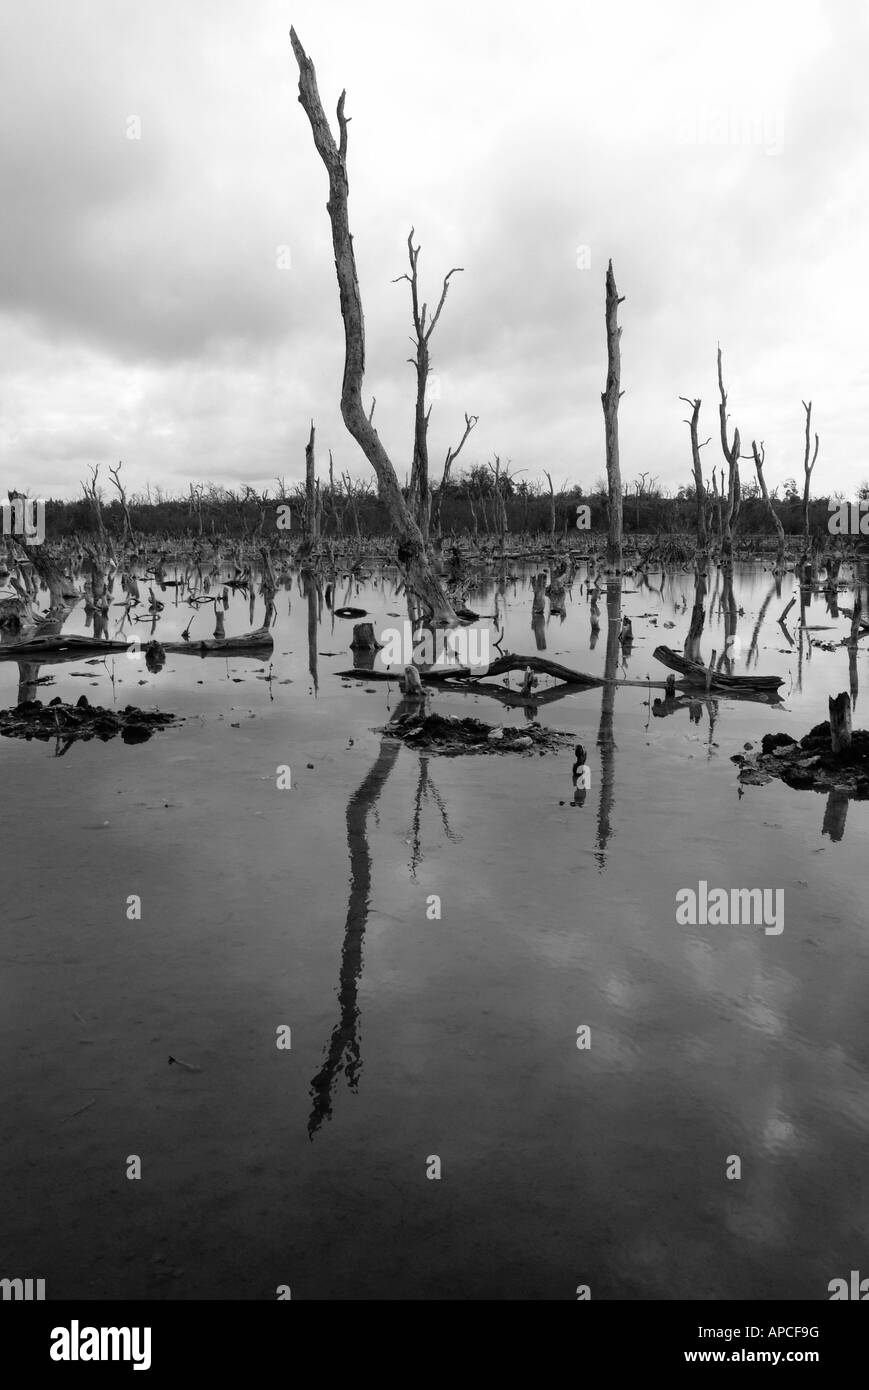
55	645
695	673
436	675
248	641
74	646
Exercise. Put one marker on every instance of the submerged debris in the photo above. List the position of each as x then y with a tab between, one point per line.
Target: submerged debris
447	734
81	721
809	764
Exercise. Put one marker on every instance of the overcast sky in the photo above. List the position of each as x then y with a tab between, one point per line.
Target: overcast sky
170	300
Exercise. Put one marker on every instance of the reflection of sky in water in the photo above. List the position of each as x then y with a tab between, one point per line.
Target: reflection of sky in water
457	1036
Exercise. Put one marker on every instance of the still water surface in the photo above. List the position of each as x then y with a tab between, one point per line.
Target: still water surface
411	1037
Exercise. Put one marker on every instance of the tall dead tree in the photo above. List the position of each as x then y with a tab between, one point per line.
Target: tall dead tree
699	490
419	493
731	454
452	455
807	471
610	398
412	553
759	460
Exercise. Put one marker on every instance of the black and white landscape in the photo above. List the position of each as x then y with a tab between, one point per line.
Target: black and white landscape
434	598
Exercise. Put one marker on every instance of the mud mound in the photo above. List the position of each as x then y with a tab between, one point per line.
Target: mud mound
80	722
443	733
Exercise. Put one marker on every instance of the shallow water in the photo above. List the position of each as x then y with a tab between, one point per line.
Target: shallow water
411	1037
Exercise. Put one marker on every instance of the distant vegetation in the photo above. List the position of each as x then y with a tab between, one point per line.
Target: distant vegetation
467	507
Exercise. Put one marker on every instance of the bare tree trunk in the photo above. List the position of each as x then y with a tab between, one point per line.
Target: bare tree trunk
759	459
807	471
699	490
412	554
91	492
610	400
312	520
116	479
731	453
452	455
548	477
419	497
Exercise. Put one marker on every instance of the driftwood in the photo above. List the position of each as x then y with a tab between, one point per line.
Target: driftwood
695	673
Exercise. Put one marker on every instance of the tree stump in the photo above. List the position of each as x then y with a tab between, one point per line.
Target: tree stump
412	683
363	638
840	722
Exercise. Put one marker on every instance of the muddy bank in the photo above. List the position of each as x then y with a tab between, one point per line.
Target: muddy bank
809	764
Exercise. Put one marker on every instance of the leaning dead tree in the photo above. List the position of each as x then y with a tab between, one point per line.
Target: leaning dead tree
412	553
610	398
452	455
731	454
807	471
759	460
699	490
419	493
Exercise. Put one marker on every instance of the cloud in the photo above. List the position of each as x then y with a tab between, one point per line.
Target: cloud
170	299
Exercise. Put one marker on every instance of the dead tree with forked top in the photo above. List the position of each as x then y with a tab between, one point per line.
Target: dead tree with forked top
452	455
419	492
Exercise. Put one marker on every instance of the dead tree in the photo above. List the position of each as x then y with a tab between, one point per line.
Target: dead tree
412	553
807	471
548	477
419	493
312	496
502	478
610	398
731	454
334	510
452	455
759	460
92	493
116	479
194	503
699	490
